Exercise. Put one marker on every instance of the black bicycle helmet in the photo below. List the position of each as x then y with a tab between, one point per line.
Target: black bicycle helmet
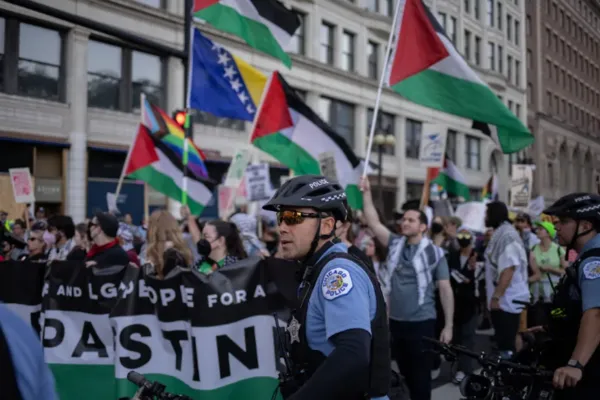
314	191
580	207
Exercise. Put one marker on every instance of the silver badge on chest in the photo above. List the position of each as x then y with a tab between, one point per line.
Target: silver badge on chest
293	329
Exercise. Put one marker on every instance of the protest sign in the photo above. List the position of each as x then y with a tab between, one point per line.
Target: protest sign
204	336
433	145
22	185
472	215
258	182
328	166
237	168
520	188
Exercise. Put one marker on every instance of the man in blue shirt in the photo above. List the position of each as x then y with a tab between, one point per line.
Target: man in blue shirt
338	337
575	320
25	374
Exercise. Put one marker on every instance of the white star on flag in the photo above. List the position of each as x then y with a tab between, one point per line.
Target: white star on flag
223	58
236	85
230	72
250	109
243	97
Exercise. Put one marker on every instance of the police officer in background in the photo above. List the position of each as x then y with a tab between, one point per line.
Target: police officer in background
338	337
575	321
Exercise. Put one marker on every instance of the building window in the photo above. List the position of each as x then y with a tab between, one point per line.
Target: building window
348	51
104	75
529	93
340	116
146	77
548	37
518	110
549	100
297	44
499	16
528	25
501	60
510	105
452	28
39	62
373	54
442	20
467	6
467	45
476	12
517	33
529	58
491	56
477	50
327	31
413	138
517	73
509	27
451	144
473	153
385	125
152	3
509	68
490	13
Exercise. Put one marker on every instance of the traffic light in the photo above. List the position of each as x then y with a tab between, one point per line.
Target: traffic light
179	116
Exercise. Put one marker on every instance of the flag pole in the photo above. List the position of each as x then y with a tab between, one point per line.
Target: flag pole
128	157
382	80
189	118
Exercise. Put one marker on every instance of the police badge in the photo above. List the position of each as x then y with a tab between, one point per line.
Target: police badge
293	329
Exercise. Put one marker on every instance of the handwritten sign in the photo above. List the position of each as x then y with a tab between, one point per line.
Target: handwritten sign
258	182
520	188
239	162
328	166
22	185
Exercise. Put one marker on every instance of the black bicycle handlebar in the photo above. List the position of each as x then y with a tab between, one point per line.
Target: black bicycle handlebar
136	378
489	361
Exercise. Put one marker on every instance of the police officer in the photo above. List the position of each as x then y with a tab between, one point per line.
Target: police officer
575	321
338	337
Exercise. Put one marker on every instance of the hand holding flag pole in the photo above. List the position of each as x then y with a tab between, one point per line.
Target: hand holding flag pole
382	81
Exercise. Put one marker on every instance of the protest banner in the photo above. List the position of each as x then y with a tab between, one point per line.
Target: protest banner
520	188
433	145
206	336
472	215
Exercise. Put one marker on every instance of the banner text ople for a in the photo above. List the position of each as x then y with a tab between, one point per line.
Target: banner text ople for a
209	337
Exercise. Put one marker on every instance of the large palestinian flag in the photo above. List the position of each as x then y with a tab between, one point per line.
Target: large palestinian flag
287	129
426	69
266	25
152	160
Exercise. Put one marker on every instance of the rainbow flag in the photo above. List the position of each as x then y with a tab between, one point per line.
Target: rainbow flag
172	135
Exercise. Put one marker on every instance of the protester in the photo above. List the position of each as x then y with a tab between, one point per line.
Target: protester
220	246
166	248
59	237
25	375
346	235
506	277
125	236
247	227
36	246
462	264
105	250
451	224
377	254
436	232
81	243
18	232
525	228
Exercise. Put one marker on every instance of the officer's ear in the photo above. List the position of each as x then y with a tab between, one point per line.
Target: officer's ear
328	225
585	226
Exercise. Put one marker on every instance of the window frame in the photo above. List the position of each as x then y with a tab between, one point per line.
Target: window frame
468	141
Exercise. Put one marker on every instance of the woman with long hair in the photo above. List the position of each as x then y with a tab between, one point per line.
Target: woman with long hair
166	247
221	245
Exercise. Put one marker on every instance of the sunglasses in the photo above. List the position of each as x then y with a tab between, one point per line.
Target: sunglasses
291	217
31	239
463	236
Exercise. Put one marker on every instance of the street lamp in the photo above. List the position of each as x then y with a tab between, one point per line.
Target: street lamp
382	140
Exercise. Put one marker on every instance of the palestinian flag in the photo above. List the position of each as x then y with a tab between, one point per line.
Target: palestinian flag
427	70
266	25
490	191
287	129
451	179
152	160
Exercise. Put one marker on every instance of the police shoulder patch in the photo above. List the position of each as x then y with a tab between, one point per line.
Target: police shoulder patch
591	270
336	283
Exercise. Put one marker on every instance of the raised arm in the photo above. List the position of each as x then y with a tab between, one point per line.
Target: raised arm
382	234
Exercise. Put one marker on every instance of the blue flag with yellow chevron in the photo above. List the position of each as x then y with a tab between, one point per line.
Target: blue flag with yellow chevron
222	83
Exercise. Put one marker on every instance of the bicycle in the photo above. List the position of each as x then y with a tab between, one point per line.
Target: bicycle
151	390
499	379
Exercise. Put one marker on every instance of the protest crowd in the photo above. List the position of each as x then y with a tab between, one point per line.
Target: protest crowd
441	278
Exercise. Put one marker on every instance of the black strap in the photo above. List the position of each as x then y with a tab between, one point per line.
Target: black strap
8	378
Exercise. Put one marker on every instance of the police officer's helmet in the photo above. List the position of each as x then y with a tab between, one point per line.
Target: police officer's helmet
578	206
313	191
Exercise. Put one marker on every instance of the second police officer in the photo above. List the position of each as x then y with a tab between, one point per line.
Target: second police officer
338	337
575	320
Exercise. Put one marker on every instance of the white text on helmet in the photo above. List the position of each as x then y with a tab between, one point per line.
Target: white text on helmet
318	183
582	198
